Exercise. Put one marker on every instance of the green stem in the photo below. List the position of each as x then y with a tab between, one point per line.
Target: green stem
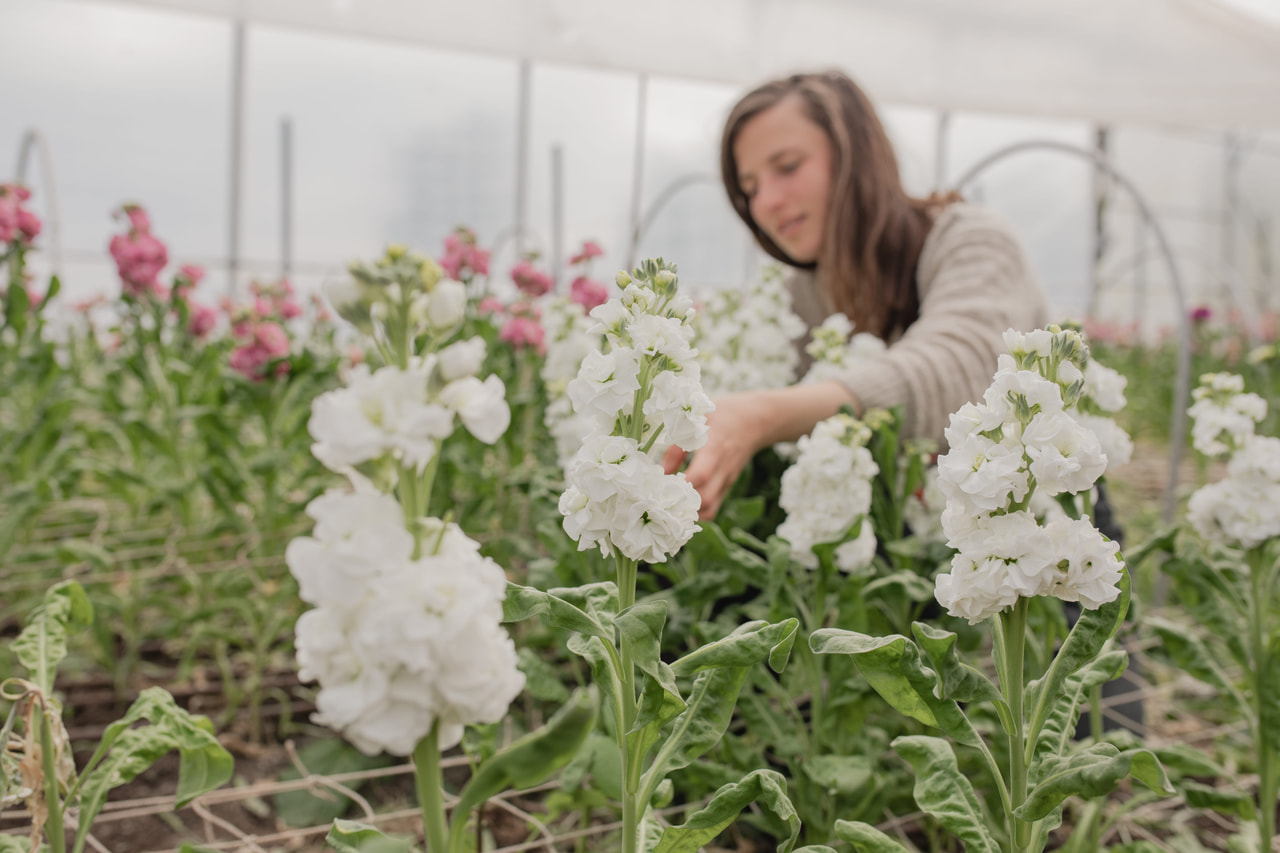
430	782
1268	778
53	825
1012	683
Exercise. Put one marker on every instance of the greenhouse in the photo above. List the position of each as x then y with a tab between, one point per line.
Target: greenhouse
574	425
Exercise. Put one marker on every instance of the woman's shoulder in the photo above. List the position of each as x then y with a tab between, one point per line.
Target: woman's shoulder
970	230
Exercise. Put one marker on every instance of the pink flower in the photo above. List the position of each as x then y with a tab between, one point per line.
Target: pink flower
531	281
290	309
188	276
1201	314
590	249
203	320
524	331
491	305
588	293
139	256
17	223
273	339
463	258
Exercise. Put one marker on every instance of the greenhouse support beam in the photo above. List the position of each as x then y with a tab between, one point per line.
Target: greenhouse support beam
33	139
286	196
236	176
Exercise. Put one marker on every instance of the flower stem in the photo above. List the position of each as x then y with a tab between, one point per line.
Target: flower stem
1268	779
430	782
53	826
1012	683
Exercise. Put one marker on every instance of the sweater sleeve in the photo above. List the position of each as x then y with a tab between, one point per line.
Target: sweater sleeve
975	282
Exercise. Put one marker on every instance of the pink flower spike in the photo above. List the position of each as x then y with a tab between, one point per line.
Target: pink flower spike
590	249
273	339
531	281
523	331
588	293
203	320
491	305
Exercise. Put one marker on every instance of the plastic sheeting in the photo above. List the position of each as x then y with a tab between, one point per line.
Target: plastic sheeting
1195	63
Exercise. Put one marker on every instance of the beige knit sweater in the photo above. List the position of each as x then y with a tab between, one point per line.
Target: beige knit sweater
975	282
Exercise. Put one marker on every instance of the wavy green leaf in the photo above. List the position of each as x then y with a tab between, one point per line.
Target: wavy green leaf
865	838
1059	729
946	793
893	666
747	645
959	680
42	645
1092	772
765	787
348	836
839	774
525	601
640	628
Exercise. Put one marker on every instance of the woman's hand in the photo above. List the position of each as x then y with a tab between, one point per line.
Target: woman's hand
745	423
735	431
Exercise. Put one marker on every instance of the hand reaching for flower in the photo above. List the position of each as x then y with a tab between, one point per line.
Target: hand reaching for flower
745	423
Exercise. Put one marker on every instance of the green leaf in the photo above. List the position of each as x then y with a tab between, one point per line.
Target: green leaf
1232	803
946	793
893	666
959	681
188	847
525	601
1059	728
532	759
701	724
1090	633
42	645
747	645
1092	772
839	774
640	627
865	838
767	787
348	836
541	679
1190	653
124	752
602	760
904	584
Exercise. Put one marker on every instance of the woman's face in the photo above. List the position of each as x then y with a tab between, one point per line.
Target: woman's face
784	167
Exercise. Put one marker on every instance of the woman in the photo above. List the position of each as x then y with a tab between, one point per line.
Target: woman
809	168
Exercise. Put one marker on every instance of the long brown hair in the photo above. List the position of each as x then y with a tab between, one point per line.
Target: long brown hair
874	230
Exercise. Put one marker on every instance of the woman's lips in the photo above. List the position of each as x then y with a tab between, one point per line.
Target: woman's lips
789	227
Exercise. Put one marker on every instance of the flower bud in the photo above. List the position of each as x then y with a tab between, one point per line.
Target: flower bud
448	305
622	278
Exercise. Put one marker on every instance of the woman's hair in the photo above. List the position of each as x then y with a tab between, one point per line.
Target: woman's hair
874	230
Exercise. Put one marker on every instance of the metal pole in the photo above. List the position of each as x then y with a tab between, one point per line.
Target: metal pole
286	196
557	213
637	176
1101	201
523	110
940	149
237	159
1230	207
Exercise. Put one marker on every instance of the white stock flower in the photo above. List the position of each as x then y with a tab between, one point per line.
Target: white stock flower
481	406
1065	456
745	337
395	658
460	359
447	304
383	412
1104	386
357	538
858	553
827	489
1114	441
984	474
1038	343
680	407
606	385
1089	565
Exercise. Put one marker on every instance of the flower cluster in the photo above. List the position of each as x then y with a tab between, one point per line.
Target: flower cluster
745	337
531	281
398	296
18	225
834	348
463	258
645	388
404	413
585	290
1101	397
1243	508
827	494
569	339
1224	414
259	329
1022	440
523	327
399	643
139	256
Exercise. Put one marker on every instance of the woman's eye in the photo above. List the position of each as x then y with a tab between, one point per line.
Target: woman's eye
788	167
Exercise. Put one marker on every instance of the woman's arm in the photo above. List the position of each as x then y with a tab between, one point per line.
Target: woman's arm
745	423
